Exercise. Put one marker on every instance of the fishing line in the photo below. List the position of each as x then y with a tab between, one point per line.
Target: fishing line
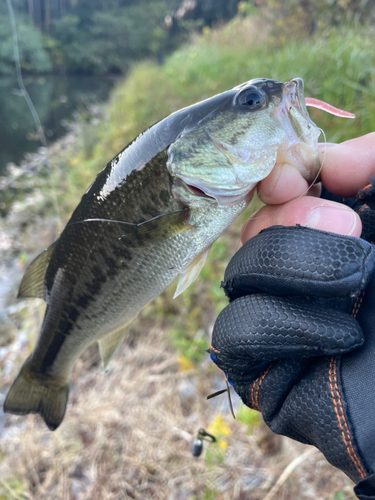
27	97
217	393
24	92
131	224
230	398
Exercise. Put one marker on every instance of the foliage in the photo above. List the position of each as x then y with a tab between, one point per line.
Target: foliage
191	349
110	39
339	495
216	451
83	36
30	45
305	17
337	66
12	488
251	418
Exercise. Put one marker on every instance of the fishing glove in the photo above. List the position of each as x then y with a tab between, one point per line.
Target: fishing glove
297	341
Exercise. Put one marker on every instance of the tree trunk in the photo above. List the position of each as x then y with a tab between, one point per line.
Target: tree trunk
47	16
30	5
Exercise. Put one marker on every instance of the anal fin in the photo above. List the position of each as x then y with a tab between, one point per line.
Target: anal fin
191	272
32	284
109	344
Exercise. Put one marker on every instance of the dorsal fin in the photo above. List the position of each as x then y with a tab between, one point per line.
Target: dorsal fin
191	272
109	344
32	284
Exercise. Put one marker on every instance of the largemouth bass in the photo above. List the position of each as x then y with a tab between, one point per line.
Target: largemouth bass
150	217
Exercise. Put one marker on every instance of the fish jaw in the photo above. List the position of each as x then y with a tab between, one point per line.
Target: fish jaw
299	147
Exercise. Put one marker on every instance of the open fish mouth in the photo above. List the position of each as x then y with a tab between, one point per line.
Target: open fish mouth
299	147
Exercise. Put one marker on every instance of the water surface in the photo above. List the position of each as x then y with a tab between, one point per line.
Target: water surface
56	99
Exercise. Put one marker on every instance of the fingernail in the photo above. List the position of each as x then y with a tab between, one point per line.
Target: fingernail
322	145
340	221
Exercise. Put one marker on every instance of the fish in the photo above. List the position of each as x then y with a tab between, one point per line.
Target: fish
151	216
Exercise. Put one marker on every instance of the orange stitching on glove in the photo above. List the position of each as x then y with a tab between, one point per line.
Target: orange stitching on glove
362	193
358	303
363	473
252	402
363	208
256	401
345	435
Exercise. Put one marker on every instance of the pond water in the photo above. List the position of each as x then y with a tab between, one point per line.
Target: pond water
56	98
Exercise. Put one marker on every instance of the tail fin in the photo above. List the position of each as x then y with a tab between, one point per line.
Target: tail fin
31	393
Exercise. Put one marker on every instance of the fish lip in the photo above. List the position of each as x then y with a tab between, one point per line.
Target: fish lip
300	92
299	147
292	98
294	94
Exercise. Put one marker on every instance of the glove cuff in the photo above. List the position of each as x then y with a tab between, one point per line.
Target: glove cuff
365	489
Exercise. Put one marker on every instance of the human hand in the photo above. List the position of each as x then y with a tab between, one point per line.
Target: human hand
285	340
347	167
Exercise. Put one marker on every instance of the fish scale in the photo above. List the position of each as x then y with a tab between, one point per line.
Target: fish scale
150	217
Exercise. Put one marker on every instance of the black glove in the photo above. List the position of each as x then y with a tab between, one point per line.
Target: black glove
297	340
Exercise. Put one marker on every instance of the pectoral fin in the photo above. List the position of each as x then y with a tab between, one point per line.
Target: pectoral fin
109	344
191	273
32	284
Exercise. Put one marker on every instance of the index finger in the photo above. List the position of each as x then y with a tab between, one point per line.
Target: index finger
348	166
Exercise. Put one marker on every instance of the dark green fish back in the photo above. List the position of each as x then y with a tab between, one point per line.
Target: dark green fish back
103	249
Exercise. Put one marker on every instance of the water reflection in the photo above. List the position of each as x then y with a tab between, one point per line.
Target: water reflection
56	99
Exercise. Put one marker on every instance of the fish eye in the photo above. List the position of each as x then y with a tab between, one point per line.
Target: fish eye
252	98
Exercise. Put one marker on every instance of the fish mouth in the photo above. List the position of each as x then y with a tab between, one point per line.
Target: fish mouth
219	195
294	93
198	192
187	190
300	145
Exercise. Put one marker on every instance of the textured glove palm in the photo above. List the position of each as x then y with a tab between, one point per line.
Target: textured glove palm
297	340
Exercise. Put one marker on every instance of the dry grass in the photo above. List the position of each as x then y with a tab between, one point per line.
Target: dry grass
127	434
